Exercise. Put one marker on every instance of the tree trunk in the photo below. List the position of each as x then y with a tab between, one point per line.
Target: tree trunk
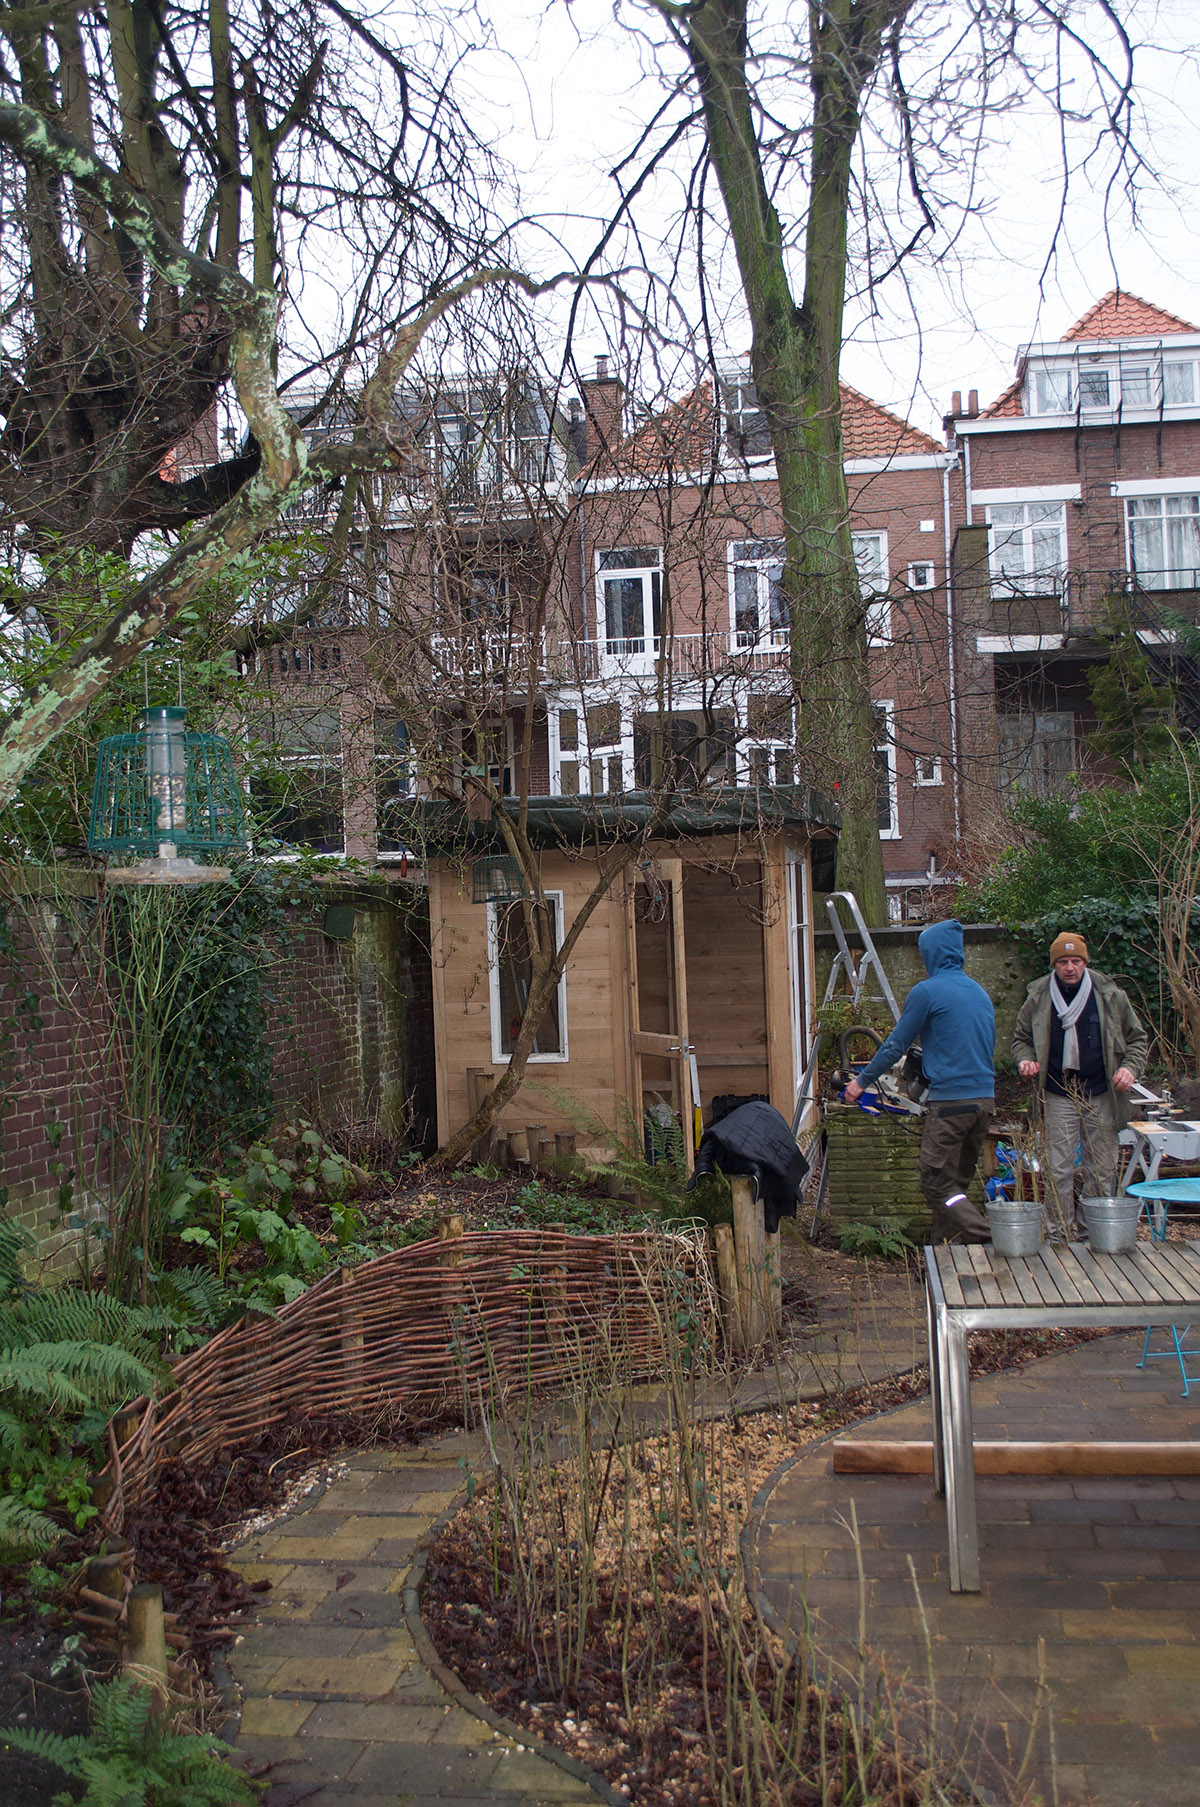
795	357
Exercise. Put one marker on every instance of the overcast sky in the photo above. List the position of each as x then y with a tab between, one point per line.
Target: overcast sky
572	89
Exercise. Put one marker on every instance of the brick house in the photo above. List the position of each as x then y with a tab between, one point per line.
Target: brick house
648	548
1081	513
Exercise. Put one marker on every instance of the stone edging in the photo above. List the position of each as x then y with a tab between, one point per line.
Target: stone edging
458	1690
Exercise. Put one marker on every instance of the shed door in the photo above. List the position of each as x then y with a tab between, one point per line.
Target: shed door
662	1063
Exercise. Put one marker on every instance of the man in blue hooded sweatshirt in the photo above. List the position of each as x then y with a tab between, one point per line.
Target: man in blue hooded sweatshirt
953	1019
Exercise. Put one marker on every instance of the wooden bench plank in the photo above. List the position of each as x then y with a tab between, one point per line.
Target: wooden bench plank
1070	1287
1113	1287
982	1263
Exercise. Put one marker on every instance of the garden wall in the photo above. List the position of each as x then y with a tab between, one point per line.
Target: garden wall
350	1031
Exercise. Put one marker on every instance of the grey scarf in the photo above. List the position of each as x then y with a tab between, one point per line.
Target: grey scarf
1069	1015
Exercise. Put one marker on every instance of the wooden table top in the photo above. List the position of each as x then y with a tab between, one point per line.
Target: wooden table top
1063	1276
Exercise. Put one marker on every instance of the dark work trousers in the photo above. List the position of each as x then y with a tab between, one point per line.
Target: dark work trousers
951	1143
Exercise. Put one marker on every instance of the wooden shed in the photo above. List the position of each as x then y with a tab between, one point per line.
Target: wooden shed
693	977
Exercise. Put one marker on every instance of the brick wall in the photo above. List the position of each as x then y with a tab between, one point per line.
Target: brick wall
350	1023
54	1034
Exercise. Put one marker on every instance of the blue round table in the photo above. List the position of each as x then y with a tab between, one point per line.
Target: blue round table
1164	1194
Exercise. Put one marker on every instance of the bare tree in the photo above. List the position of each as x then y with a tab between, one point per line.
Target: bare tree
782	103
195	196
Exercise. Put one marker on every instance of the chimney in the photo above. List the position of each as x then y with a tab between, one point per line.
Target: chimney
972	404
603	396
956	404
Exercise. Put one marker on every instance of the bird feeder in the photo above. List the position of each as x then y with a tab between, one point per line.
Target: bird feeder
496	878
166	794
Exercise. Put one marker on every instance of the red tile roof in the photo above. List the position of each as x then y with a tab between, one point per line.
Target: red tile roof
684	433
1005	406
1119	315
869	431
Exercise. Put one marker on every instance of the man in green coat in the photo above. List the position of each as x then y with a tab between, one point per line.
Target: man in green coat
1078	1035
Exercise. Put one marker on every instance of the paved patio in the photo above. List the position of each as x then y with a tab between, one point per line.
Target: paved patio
1095	1583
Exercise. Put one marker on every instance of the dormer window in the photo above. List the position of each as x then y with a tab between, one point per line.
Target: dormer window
1179	385
1054	392
746	431
1094	389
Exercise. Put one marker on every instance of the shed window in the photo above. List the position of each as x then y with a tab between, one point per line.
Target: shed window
510	974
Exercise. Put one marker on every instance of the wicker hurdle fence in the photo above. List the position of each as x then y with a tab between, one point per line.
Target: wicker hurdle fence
445	1320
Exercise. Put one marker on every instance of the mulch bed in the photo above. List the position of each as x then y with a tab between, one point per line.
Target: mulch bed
663	1760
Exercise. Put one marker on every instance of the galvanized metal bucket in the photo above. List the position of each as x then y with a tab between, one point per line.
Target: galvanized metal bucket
1016	1225
1111	1224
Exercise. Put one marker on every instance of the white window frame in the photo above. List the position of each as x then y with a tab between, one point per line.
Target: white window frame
750	742
1032	580
743	415
635	652
874	590
927	770
1164	576
803	1000
885	743
500	1059
766	636
1063	381
1173	364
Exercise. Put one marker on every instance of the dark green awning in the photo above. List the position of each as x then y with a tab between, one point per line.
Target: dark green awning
442	827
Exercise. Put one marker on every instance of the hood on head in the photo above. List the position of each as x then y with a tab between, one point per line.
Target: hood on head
941	946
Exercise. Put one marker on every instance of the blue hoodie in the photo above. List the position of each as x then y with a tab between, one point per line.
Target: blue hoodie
951	1016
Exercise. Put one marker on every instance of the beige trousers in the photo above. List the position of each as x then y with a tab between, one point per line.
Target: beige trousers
1089	1124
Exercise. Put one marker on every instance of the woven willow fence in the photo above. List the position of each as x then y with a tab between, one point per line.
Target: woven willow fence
438	1322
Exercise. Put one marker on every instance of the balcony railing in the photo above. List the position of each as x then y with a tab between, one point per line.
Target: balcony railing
682	656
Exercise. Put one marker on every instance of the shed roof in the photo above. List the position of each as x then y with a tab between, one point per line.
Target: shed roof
443	827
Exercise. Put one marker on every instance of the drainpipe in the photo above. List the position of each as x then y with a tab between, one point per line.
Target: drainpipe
952	660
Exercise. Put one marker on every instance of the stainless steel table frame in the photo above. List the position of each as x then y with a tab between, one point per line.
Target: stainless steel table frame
969	1287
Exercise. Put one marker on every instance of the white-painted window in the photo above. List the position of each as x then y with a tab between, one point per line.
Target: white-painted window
927	769
871	563
629	583
887	791
1053	392
1164	541
1028	549
1179	384
509	976
758	609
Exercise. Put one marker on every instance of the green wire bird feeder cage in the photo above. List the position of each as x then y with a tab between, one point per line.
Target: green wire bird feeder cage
166	794
496	878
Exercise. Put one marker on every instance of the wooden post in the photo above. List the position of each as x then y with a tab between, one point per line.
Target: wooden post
727	1286
564	1143
146	1636
757	1268
534	1132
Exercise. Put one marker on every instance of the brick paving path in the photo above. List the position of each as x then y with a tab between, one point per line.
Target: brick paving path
1104	1574
339	1695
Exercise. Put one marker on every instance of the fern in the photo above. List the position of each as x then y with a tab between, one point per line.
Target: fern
24	1532
13	1241
66	1315
71	1374
131	1757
